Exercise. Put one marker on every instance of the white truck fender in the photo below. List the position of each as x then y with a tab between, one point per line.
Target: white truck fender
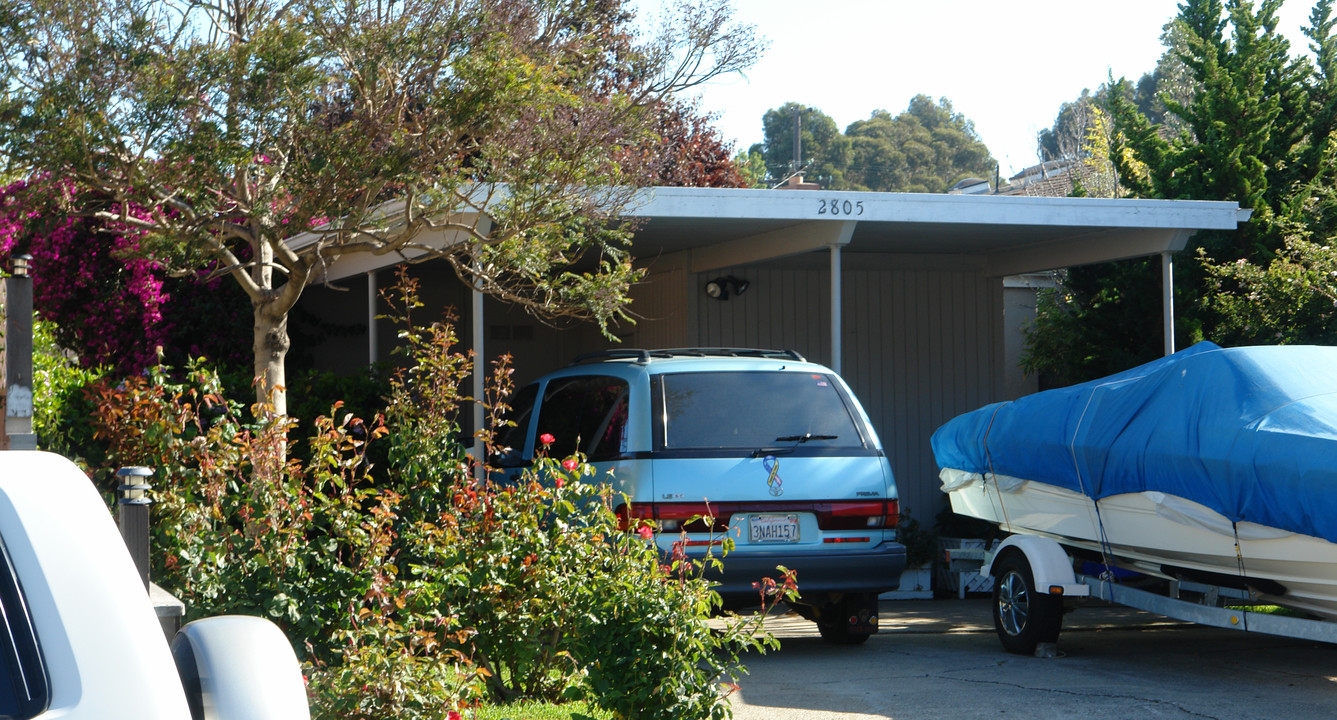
236	667
1051	568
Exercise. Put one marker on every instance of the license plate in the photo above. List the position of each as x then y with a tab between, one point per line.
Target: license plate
773	528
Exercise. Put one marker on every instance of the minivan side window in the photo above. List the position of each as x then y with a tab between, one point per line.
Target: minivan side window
588	413
752	410
510	439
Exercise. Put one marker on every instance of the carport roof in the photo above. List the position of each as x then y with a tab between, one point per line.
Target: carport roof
1012	234
722	227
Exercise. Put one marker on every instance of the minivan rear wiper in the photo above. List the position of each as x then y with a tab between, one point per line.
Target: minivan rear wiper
805	437
796	439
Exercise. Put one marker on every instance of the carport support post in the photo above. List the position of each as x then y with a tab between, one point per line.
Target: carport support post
479	369
1168	300
371	318
844	232
835	308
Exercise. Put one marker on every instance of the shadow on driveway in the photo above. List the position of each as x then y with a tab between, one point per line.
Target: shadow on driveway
941	659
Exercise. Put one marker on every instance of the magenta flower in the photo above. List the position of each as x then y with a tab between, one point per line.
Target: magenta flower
547	438
645	532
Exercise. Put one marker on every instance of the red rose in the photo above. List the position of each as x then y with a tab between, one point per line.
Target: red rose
547	438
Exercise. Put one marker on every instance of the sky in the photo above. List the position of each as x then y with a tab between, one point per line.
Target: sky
1006	66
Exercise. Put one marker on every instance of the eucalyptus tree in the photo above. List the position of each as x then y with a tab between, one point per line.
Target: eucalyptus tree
928	147
822	152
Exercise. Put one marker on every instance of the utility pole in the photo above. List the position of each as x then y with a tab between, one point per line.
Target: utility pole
797	164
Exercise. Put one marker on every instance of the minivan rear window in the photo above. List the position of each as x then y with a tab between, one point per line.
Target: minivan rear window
753	410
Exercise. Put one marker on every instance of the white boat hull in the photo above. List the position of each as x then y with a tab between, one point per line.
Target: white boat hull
1149	531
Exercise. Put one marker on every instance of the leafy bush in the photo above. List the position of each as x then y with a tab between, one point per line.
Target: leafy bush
421	588
558	602
60	407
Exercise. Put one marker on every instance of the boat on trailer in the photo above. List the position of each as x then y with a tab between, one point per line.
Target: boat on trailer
1212	471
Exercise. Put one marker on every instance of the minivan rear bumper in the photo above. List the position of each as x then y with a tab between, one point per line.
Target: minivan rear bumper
874	570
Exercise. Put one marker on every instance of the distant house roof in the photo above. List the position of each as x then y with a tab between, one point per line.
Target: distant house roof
1052	178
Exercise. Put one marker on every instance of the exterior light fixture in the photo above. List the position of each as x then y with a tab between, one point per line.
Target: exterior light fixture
133	515
720	286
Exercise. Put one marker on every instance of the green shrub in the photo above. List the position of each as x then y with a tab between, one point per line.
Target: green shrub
419	589
559	602
60	409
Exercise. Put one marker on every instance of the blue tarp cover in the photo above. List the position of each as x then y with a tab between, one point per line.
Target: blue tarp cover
1250	432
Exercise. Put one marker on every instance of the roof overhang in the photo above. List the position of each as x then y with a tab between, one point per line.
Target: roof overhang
1011	234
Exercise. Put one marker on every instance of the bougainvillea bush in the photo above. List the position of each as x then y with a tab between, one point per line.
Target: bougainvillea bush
109	304
420	589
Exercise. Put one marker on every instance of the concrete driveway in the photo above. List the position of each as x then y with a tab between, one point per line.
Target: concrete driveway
941	659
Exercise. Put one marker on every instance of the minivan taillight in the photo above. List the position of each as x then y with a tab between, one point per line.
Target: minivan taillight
830	514
859	515
674	517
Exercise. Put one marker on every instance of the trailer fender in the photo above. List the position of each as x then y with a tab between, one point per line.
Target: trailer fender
1051	567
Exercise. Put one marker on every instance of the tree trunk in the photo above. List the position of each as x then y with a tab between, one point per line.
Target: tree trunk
270	345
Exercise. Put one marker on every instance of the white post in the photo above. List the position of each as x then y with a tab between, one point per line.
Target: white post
480	370
371	318
1168	300
835	308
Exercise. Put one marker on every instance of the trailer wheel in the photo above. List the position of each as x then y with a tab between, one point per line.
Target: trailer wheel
1023	617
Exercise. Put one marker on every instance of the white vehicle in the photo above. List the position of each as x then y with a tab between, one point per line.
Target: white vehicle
78	637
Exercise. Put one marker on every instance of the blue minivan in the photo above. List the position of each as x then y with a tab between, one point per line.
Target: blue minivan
775	449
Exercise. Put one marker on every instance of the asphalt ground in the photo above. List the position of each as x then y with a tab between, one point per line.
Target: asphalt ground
941	659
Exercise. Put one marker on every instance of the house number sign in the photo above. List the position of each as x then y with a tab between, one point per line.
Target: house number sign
839	208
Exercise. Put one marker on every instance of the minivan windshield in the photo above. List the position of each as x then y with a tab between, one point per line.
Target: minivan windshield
753	410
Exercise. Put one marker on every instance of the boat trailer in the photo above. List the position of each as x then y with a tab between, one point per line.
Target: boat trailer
1035	584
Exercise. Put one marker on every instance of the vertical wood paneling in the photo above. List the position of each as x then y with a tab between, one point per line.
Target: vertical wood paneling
660	307
918	347
918	352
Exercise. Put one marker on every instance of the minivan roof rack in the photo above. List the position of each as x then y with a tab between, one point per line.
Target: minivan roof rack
644	356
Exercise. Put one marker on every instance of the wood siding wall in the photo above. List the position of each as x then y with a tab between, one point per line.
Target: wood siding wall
921	345
662	308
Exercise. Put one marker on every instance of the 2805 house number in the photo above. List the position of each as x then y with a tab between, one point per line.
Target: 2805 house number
839	207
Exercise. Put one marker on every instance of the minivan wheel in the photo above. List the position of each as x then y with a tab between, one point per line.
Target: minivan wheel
838	633
834	620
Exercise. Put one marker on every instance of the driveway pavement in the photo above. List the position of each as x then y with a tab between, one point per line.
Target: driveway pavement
941	659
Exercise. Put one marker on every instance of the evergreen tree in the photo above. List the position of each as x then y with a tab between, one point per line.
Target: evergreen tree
1256	128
